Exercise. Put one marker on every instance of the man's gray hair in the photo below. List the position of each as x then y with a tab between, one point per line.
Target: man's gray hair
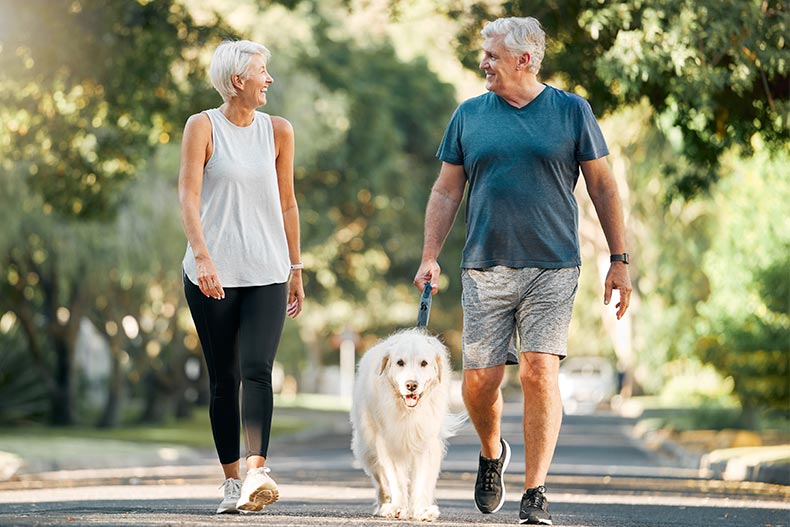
232	57
521	35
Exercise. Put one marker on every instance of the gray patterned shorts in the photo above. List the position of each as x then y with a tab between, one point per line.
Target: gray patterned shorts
504	307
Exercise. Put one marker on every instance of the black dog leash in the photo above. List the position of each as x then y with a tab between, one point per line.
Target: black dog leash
425	306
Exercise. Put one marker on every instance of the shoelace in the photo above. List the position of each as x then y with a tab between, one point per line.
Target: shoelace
490	472
535	497
231	485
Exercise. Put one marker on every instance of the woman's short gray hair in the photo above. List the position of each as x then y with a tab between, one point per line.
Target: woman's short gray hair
521	35
232	57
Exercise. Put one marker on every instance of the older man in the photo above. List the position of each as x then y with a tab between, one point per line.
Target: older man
520	148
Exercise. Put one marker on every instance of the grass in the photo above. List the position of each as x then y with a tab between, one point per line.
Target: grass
709	416
192	432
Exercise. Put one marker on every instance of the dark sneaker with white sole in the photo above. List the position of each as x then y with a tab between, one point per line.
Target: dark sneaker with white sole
489	487
534	507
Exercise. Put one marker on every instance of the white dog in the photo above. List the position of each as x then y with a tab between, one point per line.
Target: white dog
400	421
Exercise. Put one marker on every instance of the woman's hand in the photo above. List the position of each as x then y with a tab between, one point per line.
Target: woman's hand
208	278
295	294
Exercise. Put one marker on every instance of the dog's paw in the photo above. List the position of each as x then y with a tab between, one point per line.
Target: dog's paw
388	510
428	514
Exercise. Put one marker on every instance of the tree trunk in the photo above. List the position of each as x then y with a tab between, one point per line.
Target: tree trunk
116	384
158	398
63	396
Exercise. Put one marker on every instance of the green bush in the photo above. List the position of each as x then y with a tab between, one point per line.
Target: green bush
23	398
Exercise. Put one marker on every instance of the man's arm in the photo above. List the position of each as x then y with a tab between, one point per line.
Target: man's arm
446	197
603	192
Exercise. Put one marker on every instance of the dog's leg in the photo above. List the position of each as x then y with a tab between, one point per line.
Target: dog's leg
388	478
366	450
383	494
426	474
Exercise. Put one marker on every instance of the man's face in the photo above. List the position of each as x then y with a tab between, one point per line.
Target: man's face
500	66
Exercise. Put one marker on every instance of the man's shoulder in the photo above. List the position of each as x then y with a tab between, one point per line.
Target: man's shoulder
477	102
565	97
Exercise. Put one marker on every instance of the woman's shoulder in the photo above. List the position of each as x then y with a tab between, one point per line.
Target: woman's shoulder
199	120
198	126
280	124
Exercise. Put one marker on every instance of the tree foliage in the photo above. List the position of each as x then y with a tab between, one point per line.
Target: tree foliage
102	249
716	73
755	350
377	181
744	325
88	88
370	123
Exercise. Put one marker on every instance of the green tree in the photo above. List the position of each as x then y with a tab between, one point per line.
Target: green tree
715	73
83	108
367	126
755	351
744	325
88	88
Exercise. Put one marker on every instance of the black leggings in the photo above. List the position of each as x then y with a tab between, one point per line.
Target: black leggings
239	336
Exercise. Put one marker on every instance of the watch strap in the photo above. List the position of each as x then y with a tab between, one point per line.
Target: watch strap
622	257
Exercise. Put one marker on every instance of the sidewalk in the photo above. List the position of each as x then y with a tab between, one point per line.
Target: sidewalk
26	460
730	455
36	461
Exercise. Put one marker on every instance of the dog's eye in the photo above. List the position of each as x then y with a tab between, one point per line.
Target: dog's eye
424	363
401	363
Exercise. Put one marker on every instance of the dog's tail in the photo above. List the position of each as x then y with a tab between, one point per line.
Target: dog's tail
453	423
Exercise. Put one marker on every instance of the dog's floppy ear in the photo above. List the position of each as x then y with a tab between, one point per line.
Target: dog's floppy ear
440	357
384	362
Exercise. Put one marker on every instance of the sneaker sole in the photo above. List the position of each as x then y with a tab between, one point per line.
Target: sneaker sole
227	510
504	468
258	499
540	522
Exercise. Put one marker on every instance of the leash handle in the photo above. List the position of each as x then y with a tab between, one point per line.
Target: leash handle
425	306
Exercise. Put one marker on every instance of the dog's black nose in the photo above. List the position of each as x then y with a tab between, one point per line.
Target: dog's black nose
411	386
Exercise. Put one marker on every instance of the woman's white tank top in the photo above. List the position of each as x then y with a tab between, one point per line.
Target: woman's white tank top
240	206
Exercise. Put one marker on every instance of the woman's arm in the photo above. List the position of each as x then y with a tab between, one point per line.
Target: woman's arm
284	149
195	150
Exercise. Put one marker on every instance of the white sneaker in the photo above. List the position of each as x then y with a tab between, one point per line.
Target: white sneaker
232	488
257	491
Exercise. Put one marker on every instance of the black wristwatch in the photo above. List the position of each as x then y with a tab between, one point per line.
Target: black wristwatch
619	258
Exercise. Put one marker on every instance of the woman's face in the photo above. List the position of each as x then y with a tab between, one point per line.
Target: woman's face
254	85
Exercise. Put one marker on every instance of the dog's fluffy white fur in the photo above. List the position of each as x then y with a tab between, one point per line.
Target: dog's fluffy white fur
400	421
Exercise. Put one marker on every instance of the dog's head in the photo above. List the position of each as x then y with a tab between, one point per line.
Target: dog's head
414	362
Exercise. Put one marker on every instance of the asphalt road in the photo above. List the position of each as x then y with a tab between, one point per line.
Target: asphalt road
600	477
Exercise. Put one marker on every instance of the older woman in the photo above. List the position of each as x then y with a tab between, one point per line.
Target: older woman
242	268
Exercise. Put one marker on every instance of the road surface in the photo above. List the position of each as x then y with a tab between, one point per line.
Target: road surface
600	477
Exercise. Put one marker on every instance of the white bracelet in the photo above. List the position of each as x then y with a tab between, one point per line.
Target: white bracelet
295	266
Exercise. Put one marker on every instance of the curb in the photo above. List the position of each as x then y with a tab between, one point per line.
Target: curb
763	464
659	440
9	465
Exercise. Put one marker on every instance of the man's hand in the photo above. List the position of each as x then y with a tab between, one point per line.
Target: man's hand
618	278
429	271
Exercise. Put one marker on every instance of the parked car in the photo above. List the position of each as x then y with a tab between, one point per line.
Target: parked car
586	383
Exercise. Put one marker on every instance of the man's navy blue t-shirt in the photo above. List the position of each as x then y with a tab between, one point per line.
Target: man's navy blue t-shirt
522	165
